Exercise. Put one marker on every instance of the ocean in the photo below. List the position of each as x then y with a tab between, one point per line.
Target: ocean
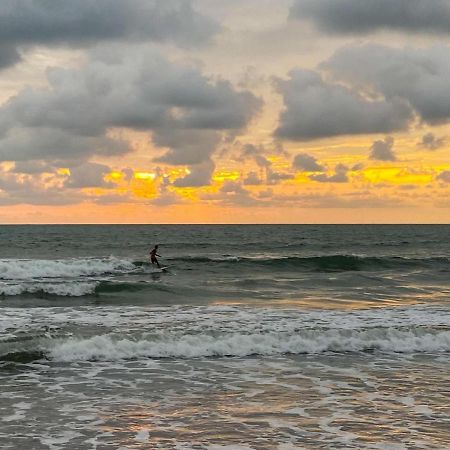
256	337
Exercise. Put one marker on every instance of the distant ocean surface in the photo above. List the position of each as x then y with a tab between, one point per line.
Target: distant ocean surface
256	337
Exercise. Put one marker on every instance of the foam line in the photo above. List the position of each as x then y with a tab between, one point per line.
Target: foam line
108	347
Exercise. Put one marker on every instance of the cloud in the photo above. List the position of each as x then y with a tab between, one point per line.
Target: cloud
315	108
252	179
167	198
185	111
232	187
340	175
418	76
87	22
357	167
431	142
32	167
232	193
186	147
307	163
274	177
382	150
360	17
36	190
200	175
89	175
50	144
444	176
256	154
8	56
128	174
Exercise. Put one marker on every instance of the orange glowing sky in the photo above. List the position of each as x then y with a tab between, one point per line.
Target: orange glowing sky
204	111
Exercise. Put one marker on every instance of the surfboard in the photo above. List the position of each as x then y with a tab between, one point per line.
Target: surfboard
160	269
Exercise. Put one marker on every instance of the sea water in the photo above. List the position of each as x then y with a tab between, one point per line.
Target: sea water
255	337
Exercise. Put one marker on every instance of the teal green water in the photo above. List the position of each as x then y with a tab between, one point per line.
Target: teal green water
256	337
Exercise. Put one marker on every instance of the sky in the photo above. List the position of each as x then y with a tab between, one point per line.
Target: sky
237	111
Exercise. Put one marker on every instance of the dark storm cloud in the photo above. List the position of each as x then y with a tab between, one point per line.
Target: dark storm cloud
431	142
185	111
8	56
365	16
83	22
419	76
315	108
307	163
383	150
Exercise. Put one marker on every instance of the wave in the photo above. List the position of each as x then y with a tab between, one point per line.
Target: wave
111	348
73	289
81	268
321	263
60	289
25	269
78	277
79	288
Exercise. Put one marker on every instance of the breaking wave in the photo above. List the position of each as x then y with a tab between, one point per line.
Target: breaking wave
111	347
25	269
76	277
61	289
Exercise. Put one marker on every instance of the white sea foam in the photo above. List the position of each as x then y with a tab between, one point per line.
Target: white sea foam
72	289
109	347
26	269
229	320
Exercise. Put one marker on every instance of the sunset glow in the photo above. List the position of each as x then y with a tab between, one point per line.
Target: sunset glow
276	116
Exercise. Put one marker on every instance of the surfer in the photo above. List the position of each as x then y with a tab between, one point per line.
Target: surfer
153	255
